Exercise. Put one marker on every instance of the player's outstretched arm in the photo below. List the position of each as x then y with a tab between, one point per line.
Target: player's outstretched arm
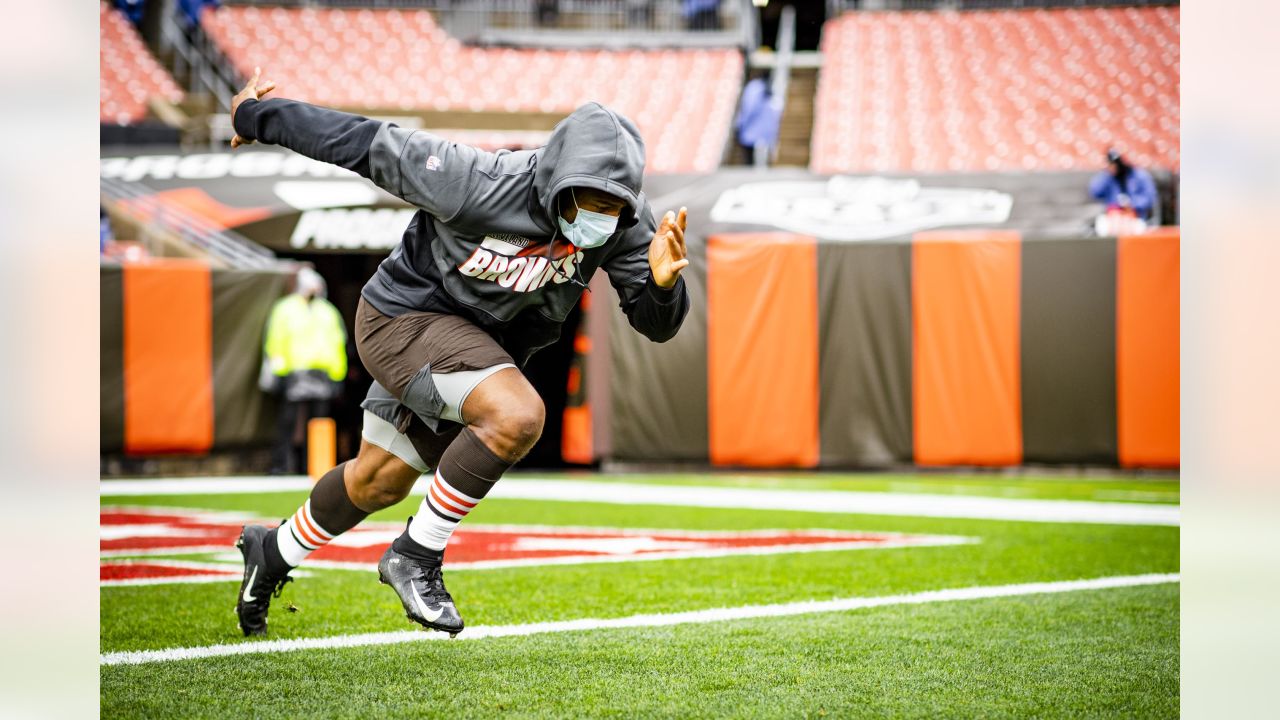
320	133
646	274
419	167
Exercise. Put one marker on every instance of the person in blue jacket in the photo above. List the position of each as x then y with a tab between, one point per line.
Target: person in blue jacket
1125	186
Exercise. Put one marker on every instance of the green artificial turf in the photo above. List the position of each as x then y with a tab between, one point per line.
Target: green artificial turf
1111	653
1101	653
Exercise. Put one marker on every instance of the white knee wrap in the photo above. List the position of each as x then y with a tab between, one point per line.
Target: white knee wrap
383	434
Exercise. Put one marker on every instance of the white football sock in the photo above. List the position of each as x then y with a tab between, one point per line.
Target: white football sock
439	514
300	536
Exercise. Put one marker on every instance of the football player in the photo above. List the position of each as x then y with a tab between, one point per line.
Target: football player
498	253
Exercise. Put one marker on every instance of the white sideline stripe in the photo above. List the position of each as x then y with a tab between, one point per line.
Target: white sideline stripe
747	612
827	501
841	501
230	485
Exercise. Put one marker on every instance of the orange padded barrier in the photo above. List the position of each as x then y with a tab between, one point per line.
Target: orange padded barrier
966	358
1147	343
762	355
168	357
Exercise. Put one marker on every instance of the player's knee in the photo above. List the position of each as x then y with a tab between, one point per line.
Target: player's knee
377	482
517	427
522	425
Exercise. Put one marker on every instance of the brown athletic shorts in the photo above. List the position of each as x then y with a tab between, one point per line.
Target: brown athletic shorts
402	353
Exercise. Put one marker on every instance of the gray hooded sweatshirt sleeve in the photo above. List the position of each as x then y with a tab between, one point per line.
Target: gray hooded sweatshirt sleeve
485	243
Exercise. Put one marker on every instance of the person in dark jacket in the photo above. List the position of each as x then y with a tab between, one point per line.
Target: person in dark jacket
1124	186
501	248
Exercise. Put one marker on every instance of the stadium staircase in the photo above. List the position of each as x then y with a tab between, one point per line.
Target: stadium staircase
795	130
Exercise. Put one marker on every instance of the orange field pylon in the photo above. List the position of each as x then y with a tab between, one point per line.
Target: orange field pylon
322	453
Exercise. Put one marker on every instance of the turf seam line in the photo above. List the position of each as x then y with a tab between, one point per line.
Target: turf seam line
746	612
823	501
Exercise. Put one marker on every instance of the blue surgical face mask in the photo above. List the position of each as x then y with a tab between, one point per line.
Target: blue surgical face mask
588	229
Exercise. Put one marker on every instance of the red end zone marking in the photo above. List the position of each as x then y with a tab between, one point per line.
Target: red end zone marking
152	572
140	532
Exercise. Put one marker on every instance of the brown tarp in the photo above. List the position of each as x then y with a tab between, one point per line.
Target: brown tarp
659	390
111	360
242	299
864	333
1069	351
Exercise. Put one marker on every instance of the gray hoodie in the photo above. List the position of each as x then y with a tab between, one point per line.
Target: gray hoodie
485	243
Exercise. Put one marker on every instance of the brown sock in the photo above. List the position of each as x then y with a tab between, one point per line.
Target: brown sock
467	471
328	513
331	505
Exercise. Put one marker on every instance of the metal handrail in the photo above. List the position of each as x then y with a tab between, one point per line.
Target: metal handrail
197	59
233	248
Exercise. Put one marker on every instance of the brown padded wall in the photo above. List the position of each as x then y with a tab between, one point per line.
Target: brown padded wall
659	391
864	340
111	344
1069	351
242	300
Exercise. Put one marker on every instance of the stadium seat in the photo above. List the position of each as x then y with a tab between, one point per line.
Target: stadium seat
130	74
997	90
389	61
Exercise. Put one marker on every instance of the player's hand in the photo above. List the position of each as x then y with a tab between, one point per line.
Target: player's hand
255	90
667	253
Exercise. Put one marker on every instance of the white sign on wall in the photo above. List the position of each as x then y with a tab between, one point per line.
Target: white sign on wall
859	208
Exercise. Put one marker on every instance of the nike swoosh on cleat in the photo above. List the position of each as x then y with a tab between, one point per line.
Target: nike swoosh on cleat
428	615
249	586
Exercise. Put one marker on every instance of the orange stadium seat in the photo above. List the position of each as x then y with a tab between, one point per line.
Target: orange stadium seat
130	74
997	90
392	61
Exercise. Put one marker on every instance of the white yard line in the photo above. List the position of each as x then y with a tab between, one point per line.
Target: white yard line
635	621
826	501
920	541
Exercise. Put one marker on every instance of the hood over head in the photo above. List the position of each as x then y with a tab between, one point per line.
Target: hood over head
593	147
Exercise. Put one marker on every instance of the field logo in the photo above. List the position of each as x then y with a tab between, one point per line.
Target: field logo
859	208
131	538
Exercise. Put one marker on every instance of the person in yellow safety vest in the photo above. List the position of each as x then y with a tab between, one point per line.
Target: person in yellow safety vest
304	362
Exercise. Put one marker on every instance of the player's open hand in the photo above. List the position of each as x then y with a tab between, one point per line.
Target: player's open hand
667	253
255	90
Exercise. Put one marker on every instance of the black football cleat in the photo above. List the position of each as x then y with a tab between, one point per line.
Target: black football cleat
261	582
420	586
